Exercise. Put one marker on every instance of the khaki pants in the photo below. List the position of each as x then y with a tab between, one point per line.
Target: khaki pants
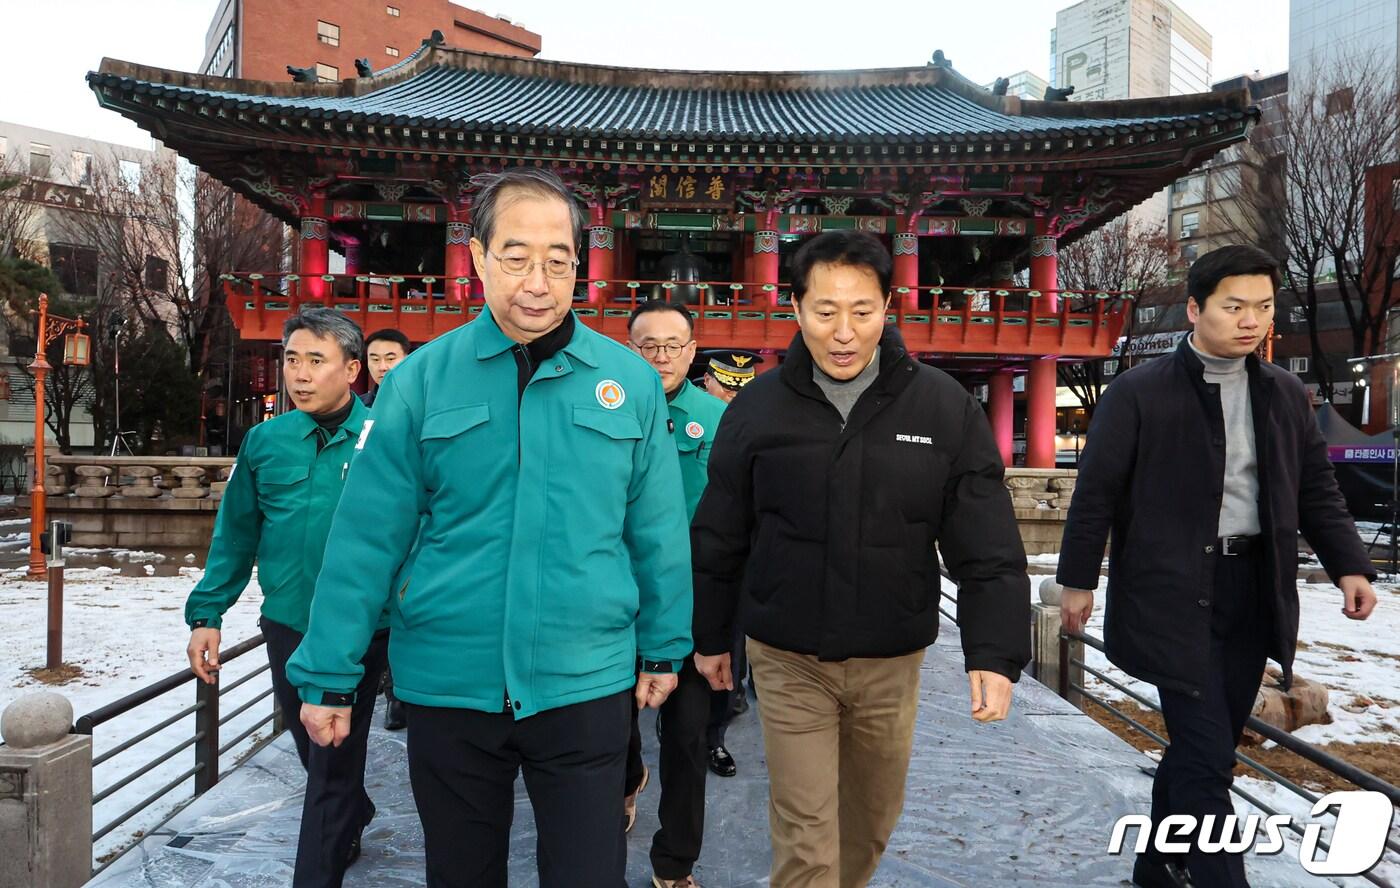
837	737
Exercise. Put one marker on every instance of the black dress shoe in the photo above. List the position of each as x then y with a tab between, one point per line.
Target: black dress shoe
1152	874
394	717
354	853
722	763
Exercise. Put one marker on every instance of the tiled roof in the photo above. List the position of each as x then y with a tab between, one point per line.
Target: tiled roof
472	91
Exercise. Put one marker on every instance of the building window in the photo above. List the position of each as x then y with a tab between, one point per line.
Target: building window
391	51
1297	365
1340	101
327	73
1190	224
75	267
82	168
1188	191
328	33
40	159
221	63
1147	314
157	274
130	172
392	10
1189	252
1297	315
1110	368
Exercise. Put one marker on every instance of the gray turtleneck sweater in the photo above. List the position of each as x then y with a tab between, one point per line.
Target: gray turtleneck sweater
843	394
1239	506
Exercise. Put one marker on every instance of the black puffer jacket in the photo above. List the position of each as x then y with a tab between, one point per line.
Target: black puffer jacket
1153	473
820	539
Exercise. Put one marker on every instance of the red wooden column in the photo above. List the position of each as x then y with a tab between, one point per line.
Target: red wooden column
315	249
1040	383
1001	408
906	258
602	251
765	257
458	261
1045	274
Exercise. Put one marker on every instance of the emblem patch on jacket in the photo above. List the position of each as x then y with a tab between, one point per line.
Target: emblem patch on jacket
610	394
695	430
913	439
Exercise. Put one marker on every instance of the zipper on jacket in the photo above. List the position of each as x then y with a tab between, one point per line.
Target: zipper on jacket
529	374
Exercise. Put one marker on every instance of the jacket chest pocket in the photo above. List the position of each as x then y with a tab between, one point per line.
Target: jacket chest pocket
603	443
445	443
283	489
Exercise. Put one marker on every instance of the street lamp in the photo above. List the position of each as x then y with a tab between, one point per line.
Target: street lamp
76	352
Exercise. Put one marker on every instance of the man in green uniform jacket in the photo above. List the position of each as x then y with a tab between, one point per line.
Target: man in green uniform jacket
517	504
663	333
276	510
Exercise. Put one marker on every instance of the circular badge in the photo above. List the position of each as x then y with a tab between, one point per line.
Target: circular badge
610	394
695	430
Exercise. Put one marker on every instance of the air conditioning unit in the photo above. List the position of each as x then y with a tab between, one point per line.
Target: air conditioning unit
1186	233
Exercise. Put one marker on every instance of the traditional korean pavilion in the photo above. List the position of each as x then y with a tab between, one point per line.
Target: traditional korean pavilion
699	185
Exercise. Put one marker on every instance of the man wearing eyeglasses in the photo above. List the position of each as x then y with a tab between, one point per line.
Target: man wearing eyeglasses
516	502
663	333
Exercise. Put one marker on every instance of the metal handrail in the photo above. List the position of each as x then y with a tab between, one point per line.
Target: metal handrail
86	723
1301	748
205	739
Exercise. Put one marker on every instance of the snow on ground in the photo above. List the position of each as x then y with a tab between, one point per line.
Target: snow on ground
124	633
1357	661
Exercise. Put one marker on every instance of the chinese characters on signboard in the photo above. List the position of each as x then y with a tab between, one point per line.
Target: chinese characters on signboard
684	189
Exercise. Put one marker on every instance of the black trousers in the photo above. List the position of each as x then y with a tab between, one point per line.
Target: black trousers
1196	770
725	705
680	727
463	764
336	806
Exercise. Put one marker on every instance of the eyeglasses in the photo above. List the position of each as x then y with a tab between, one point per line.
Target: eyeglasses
673	350
522	266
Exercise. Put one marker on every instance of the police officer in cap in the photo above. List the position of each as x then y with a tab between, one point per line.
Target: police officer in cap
728	371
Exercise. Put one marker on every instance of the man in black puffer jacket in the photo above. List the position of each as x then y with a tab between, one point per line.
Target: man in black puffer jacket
831	481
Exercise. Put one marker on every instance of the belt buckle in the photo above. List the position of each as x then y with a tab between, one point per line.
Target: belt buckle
1225	545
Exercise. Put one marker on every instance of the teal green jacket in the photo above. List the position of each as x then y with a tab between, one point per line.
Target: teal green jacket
531	546
695	415
276	510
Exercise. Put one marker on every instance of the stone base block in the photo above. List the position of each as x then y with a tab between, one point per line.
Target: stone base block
190	492
96	491
135	491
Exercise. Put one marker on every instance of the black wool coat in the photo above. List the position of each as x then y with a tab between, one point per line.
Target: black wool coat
819	537
1153	473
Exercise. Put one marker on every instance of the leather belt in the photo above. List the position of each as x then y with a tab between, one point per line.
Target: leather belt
1238	545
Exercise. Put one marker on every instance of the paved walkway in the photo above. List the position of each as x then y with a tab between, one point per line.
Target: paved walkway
1029	801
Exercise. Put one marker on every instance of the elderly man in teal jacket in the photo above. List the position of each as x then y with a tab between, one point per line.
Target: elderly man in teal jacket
517	502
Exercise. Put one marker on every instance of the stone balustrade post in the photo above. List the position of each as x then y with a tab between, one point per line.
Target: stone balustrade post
45	795
57	482
143	482
1045	644
92	481
191	483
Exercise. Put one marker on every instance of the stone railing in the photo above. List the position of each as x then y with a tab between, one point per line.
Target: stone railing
136	502
1040	498
138	477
